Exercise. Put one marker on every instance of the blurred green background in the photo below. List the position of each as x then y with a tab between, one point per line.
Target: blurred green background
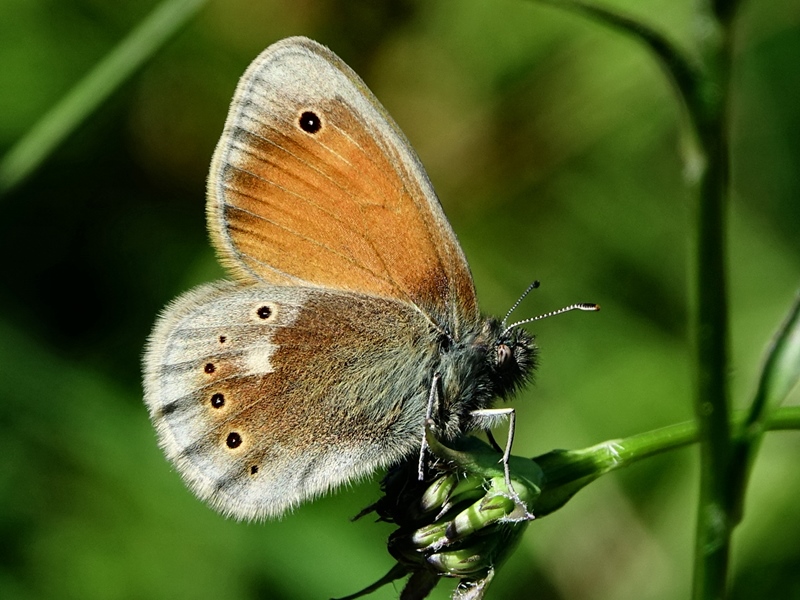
554	145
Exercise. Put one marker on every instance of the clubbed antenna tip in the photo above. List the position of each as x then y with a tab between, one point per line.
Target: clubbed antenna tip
580	306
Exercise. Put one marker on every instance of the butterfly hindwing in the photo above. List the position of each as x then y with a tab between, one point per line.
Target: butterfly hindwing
263	396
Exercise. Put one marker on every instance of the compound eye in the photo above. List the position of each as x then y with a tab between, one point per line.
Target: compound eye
504	355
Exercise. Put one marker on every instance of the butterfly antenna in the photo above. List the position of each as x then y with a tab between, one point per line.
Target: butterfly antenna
532	286
581	306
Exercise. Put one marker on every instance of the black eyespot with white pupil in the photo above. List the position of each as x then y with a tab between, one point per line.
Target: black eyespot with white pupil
310	122
234	440
265	312
217	400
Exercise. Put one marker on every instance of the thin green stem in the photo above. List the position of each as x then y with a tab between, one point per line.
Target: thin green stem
704	92
715	520
779	375
89	93
786	418
564	467
684	72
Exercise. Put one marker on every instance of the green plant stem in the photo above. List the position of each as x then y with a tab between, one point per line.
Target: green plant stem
716	505
779	375
684	72
587	464
784	419
703	88
91	91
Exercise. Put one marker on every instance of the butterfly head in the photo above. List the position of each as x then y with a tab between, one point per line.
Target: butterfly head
487	362
515	351
511	360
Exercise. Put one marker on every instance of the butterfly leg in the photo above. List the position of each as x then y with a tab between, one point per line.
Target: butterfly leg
433	400
491	415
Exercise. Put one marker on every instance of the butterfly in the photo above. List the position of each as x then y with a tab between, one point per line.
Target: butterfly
351	313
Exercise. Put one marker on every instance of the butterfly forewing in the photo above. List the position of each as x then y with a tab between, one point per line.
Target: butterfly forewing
313	184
